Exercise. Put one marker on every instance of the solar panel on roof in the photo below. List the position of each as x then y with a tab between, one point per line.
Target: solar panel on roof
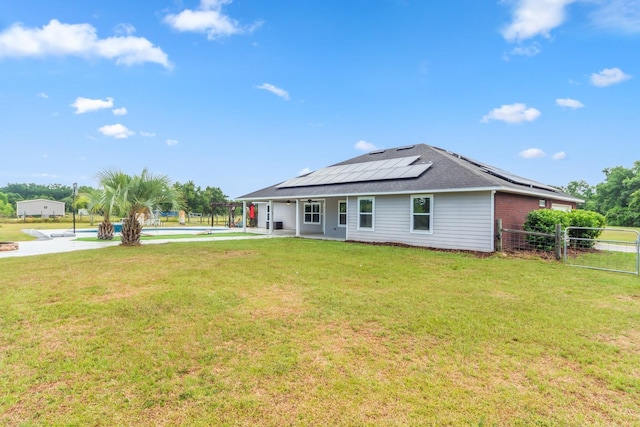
398	168
502	174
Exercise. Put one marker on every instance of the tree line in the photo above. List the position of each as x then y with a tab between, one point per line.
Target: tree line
617	197
192	197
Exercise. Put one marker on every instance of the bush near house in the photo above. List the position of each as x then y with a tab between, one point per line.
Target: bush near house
545	220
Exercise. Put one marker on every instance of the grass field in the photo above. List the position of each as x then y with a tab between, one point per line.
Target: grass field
12	231
301	332
172	236
622	234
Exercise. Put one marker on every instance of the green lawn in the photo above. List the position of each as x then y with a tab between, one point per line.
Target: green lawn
281	332
12	231
622	234
172	236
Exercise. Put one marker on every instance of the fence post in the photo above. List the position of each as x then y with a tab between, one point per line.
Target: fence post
558	241
499	235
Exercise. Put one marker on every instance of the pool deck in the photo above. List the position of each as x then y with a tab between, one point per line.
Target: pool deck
68	243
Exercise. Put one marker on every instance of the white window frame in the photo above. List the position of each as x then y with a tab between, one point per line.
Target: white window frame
372	213
412	214
312	213
346	209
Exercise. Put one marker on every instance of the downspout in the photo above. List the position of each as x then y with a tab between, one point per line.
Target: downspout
270	221
324	219
493	220
297	218
346	231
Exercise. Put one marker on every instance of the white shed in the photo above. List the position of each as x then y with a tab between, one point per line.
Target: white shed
40	207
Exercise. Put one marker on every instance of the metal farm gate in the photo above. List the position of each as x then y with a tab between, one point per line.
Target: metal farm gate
583	248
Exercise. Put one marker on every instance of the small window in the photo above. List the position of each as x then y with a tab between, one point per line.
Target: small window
366	213
421	217
312	213
342	213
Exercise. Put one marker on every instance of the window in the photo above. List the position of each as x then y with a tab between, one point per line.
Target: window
312	213
342	213
365	213
421	218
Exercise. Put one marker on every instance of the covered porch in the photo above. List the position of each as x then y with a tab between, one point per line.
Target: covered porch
302	217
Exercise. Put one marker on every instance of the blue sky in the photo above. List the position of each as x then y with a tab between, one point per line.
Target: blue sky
241	94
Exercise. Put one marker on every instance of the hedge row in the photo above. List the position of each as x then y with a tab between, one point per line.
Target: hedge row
545	220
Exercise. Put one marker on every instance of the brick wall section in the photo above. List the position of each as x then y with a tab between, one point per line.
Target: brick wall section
513	208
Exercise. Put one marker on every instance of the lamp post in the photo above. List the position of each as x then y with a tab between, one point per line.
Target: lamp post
73	207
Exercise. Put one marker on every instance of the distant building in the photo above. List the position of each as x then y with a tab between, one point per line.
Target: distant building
39	207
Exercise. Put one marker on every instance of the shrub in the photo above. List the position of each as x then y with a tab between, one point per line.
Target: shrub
593	221
545	220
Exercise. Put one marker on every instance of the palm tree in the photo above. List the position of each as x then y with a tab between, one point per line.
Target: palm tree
135	197
112	183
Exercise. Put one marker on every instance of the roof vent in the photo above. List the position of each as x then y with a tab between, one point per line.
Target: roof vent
406	147
377	152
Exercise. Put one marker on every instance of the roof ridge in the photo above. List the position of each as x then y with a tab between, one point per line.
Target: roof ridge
465	164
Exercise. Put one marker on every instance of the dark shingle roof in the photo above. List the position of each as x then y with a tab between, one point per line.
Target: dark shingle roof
449	172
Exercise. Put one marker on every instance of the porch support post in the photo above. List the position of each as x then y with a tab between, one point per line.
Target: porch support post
297	218
244	216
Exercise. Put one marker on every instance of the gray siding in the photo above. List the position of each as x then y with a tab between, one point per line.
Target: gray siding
331	217
460	221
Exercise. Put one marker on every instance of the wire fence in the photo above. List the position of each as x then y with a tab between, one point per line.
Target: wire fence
577	246
621	254
513	238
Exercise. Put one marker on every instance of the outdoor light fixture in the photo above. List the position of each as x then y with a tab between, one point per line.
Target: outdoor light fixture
288	202
73	208
309	201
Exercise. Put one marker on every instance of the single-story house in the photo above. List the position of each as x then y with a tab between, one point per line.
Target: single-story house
416	195
39	207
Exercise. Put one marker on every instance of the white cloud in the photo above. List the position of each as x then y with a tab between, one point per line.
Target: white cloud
304	171
532	153
608	77
85	105
171	142
619	15
569	103
275	90
119	111
43	95
58	39
117	131
365	146
561	155
532	18
209	19
125	29
513	113
531	50
147	134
